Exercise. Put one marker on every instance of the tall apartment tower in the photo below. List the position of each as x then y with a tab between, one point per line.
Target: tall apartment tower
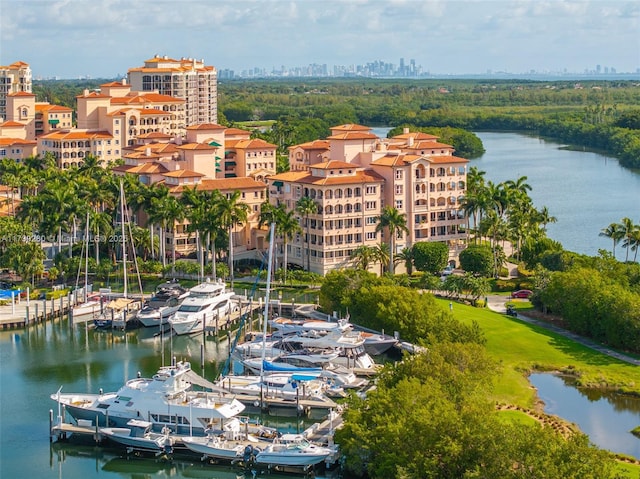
188	79
15	78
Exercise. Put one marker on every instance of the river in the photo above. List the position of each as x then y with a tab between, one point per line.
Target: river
585	191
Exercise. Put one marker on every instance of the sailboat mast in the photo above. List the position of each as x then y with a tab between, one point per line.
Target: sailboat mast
124	246
272	236
86	258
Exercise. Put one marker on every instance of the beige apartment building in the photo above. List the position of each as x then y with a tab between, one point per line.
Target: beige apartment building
110	120
14	78
187	79
354	175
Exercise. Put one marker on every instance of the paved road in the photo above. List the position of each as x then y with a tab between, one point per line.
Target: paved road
497	303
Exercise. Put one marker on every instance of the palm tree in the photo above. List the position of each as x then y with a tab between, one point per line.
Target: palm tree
305	207
232	213
382	255
287	226
614	233
174	212
627	232
544	218
158	198
406	256
363	256
635	242
395	222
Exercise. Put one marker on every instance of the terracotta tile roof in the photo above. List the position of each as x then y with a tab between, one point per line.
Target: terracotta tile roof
155	135
254	143
144	168
47	107
350	127
183	174
77	135
333	164
361	176
19	64
158	147
395	160
115	84
312	145
144	98
142	155
231	184
16	141
11	124
416	135
353	135
21	93
236	131
197	146
207	126
93	94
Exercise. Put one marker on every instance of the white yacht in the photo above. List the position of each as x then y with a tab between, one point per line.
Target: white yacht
205	302
165	400
162	306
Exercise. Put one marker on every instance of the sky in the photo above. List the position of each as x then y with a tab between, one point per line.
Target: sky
104	38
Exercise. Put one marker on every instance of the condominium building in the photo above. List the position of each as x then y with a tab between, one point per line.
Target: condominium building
14	78
188	79
110	120
352	175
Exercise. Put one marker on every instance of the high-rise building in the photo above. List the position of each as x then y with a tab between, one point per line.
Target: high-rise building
187	79
14	78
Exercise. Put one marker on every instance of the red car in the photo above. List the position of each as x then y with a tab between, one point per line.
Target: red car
522	293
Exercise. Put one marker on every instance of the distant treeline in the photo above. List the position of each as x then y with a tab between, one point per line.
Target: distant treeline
592	114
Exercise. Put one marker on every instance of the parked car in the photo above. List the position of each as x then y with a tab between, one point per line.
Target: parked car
522	293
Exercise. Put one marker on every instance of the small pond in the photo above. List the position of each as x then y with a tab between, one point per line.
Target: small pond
607	418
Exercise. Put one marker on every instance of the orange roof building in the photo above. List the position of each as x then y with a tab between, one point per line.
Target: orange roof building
352	175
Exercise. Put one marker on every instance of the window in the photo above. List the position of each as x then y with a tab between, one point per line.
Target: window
370	190
371	220
398	204
398	189
398	174
370	205
371	235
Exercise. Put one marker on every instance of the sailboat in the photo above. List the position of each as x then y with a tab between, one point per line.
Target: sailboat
89	305
115	313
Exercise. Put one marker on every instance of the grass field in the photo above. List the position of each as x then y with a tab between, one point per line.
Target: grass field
521	348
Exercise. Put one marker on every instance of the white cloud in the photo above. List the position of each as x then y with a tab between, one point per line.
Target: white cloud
104	37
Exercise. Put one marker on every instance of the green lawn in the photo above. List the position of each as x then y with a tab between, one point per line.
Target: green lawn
522	347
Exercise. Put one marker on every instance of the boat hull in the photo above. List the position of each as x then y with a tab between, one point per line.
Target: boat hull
215	448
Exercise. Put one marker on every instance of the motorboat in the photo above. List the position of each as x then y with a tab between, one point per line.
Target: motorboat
282	385
205	302
376	344
232	442
139	436
167	399
287	325
293	450
349	348
162	305
92	306
336	378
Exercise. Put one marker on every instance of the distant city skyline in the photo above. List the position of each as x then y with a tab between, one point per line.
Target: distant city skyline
104	38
